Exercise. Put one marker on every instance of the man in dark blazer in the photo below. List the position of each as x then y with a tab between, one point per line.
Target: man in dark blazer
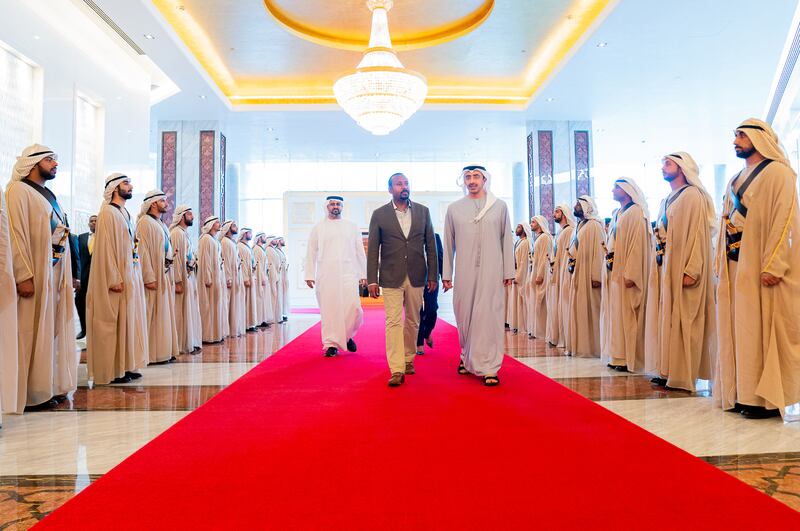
401	259
85	254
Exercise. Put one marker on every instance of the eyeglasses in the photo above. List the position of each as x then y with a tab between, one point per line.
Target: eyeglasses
52	158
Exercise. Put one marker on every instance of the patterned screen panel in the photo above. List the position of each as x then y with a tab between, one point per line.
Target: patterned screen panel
583	183
207	175
222	173
546	204
19	110
169	145
531	183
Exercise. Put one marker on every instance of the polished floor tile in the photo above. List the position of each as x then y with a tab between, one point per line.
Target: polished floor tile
775	474
24	500
182	374
633	387
571	367
140	398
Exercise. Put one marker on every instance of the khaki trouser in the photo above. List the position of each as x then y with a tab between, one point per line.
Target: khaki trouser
401	338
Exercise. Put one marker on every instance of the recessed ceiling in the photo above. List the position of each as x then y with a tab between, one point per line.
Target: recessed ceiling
261	52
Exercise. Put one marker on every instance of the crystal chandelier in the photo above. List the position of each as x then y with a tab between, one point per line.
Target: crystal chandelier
381	94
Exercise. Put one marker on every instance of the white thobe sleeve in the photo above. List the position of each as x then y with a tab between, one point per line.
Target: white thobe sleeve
311	254
361	257
449	246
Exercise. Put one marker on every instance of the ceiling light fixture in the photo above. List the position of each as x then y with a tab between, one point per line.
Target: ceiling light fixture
549	100
381	94
602	44
149	36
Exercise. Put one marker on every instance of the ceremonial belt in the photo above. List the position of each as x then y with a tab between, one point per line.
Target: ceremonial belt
571	261
167	260
733	235
58	241
661	247
610	256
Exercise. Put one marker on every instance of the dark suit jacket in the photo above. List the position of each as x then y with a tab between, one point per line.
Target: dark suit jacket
74	258
86	260
439	253
391	256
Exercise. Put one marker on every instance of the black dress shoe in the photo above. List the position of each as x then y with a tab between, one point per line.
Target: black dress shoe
429	341
60	399
121	380
757	412
351	345
659	381
331	352
132	375
620	368
81	335
44	406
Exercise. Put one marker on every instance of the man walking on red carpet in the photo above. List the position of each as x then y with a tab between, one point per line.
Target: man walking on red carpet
336	266
401	240
479	227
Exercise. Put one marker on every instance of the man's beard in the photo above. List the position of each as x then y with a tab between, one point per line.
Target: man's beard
577	214
49	176
745	153
126	195
336	212
189	222
669	177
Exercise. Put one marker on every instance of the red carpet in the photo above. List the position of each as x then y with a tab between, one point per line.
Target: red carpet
304	442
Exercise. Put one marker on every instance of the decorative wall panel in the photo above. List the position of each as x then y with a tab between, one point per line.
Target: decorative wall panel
222	173
531	183
583	184
169	173
546	205
207	175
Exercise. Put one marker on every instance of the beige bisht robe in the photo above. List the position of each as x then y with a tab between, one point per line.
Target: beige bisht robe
284	283
9	352
558	290
48	358
275	281
631	242
187	305
680	331
155	248
211	289
583	322
248	277
759	338
518	303
542	255
111	317
264	314
233	273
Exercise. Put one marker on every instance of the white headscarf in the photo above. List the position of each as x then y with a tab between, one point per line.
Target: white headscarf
260	235
527	228
692	173
567	212
112	181
589	208
490	197
224	230
207	224
150	197
242	232
177	216
543	224
633	190
31	156
765	140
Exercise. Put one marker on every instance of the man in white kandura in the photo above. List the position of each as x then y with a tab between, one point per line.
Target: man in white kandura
280	243
234	281
156	257
187	305
212	294
479	249
40	254
541	257
560	278
335	266
518	297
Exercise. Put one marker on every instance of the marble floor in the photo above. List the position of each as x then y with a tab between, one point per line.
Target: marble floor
48	457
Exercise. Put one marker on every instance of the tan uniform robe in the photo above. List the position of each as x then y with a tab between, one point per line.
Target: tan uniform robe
111	317
583	324
275	279
233	273
187	305
558	282
248	262
680	333
759	338
9	351
542	255
631	242
155	248
519	319
284	285
48	359
264	307
211	289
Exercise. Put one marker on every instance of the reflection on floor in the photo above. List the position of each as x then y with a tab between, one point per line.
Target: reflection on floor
46	458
